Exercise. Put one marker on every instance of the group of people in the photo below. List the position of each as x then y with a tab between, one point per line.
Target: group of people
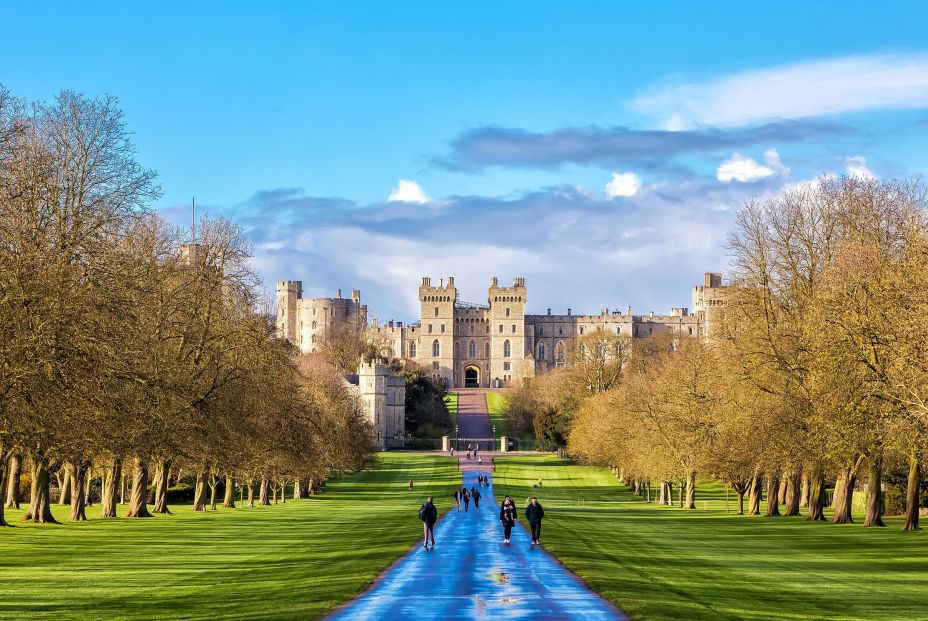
508	516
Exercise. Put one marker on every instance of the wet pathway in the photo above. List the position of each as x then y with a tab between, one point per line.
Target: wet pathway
471	574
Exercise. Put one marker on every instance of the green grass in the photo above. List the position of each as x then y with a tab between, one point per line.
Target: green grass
668	563
451	402
292	561
496	404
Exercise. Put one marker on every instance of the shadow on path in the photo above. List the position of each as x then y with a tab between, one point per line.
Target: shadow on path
472	574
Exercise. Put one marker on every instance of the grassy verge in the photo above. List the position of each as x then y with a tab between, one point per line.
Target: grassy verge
496	404
451	402
667	563
290	561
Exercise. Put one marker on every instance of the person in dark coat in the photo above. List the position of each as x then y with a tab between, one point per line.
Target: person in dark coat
507	517
534	513
465	496
429	515
475	494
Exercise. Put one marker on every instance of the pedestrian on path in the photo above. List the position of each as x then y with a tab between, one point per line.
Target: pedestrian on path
466	496
533	513
486	481
508	517
476	496
429	515
457	499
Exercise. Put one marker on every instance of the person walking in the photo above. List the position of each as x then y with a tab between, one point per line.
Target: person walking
410	484
457	499
475	494
466	496
507	517
533	513
429	515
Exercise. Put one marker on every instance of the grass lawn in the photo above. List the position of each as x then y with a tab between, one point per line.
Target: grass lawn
667	563
496	404
292	561
451	402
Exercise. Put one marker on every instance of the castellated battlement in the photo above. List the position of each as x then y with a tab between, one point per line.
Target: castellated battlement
467	344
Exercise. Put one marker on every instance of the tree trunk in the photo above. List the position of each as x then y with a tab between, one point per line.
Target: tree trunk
843	498
88	499
773	494
804	491
213	484
740	501
229	501
781	494
12	490
4	473
199	491
647	490
122	487
78	472
40	510
64	486
298	489
251	493
161	487
274	491
756	491
283	492
112	476
912	493
874	492
793	482
138	498
262	497
816	495
691	490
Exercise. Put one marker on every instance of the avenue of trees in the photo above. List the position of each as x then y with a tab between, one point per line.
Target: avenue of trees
130	359
811	384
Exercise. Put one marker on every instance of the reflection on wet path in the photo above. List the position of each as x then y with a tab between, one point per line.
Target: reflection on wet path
472	574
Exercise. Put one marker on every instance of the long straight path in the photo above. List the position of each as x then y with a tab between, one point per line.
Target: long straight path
474	416
472	574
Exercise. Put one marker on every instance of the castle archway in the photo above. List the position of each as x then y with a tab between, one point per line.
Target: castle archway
472	376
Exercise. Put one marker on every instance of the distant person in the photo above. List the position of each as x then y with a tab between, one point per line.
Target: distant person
508	517
429	515
475	494
466	496
533	513
479	479
410	483
486	481
457	499
475	451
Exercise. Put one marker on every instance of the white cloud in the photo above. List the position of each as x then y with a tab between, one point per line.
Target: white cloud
743	169
811	88
408	192
623	184
857	167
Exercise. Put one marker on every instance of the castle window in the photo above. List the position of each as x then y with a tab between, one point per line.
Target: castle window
507	349
513	328
618	329
507	312
541	351
472	350
436	349
412	349
500	328
487	351
507	366
691	330
314	325
442	328
436	311
560	330
559	352
435	366
430	328
581	329
313	338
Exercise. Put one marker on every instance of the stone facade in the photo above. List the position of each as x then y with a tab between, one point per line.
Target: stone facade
384	398
306	322
497	343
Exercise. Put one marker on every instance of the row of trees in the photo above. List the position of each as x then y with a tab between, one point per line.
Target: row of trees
123	348
813	373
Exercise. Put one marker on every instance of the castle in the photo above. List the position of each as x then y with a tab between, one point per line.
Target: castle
479	345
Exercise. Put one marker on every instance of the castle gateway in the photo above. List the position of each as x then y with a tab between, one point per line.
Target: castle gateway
478	345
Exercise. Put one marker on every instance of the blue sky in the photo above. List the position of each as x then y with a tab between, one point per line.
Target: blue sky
599	149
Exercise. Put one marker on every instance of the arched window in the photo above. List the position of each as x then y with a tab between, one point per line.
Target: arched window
618	329
436	349
412	349
559	352
314	338
472	350
507	349
691	331
541	351
487	350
